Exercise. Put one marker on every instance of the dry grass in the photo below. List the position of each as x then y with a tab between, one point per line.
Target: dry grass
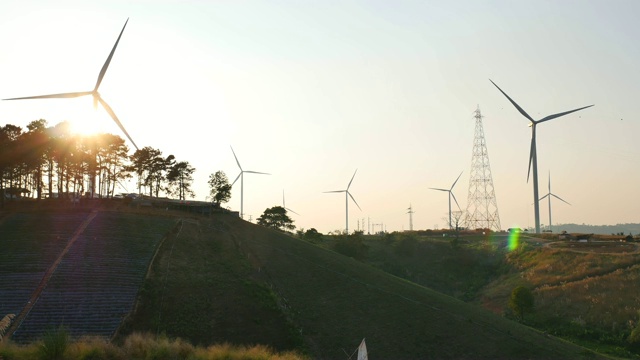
587	296
550	266
145	346
5	323
606	302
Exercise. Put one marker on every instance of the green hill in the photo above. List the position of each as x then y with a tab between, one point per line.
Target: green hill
225	280
219	279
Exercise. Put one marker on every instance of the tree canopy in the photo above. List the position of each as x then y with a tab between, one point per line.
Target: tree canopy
521	301
276	218
219	187
180	178
52	161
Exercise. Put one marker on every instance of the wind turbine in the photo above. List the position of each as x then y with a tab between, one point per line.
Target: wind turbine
241	177
347	194
549	195
533	157
96	96
450	191
284	206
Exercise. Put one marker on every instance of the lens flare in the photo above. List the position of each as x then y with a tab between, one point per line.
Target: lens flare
514	240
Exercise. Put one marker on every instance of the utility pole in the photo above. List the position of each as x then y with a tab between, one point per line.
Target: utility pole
410	212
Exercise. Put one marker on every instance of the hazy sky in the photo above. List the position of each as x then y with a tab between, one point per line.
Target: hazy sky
310	91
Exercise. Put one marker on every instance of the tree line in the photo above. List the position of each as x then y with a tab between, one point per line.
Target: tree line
45	161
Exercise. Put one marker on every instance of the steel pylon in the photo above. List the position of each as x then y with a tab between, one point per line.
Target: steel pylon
482	207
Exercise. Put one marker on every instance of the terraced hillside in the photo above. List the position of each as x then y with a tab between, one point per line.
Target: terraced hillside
29	245
94	285
224	280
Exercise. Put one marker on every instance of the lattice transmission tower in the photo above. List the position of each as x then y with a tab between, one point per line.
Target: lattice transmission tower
482	207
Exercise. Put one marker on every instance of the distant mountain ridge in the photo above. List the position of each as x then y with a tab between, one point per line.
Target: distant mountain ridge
633	228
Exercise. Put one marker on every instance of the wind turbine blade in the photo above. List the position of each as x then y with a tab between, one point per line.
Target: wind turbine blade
354	200
234	155
559	198
55	96
549	182
454	183
335	191
533	147
106	63
551	117
115	118
255	172
524	113
354	175
234	181
454	199
283	205
291	211
439	189
543	197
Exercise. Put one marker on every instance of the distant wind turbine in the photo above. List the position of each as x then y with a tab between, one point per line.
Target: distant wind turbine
533	157
549	195
96	96
450	191
241	177
347	195
284	206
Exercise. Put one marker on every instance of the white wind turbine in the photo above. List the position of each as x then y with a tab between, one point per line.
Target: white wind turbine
285	206
549	195
347	195
241	177
533	157
96	96
450	191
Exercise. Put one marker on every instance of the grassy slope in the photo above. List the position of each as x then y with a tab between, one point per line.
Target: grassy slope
227	280
586	292
200	288
587	296
433	263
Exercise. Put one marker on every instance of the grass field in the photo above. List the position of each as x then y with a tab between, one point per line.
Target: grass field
585	292
218	280
225	280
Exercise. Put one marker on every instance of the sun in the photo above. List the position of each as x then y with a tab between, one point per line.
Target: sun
85	119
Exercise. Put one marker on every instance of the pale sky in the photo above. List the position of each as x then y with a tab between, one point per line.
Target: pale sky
310	91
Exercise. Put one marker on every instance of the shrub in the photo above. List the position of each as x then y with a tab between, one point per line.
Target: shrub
521	301
634	337
5	323
352	246
312	235
407	245
54	344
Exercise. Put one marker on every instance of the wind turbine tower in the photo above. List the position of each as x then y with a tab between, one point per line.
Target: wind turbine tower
241	177
549	195
347	194
533	153
410	212
450	191
285	206
482	207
